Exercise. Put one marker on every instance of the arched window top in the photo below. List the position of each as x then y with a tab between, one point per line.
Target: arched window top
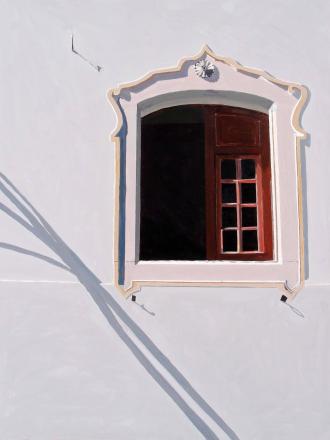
230	84
210	97
268	227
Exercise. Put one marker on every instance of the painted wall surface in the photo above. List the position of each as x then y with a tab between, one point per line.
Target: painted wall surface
77	361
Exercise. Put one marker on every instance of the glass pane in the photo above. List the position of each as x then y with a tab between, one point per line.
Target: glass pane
250	240
229	217
248	193
228	193
249	216
248	169
229	241
228	169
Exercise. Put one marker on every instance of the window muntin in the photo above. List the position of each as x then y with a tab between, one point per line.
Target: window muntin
238	211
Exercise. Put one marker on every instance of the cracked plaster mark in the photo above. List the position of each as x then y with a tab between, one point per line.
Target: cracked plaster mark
95	66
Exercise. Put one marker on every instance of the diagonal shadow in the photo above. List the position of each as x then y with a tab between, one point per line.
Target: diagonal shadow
24	251
32	220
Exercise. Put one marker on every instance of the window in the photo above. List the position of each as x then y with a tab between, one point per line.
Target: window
205	184
208	180
238	180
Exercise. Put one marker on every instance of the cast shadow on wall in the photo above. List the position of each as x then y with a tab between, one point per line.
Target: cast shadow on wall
32	220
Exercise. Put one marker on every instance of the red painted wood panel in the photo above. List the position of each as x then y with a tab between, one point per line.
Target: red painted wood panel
237	134
236	130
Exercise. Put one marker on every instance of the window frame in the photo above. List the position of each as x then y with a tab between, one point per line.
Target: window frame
232	84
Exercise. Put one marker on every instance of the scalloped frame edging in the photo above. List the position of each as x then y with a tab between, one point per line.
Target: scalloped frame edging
300	134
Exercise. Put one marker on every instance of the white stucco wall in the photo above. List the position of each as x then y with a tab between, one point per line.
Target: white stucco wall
77	362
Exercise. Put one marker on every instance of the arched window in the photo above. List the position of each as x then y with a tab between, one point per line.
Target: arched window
205	184
208	177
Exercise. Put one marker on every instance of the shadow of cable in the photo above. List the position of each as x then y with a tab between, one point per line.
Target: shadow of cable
37	225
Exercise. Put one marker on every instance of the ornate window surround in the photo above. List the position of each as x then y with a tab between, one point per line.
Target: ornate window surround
232	84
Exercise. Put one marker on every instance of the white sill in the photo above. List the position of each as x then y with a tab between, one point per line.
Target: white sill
206	262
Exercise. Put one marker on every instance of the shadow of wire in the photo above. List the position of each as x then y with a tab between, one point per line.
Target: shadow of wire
37	225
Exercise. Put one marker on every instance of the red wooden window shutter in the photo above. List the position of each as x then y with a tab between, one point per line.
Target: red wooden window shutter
238	184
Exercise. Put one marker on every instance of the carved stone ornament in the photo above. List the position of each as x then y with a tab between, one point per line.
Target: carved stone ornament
204	68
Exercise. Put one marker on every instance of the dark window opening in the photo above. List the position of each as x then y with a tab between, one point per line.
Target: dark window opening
205	184
172	222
